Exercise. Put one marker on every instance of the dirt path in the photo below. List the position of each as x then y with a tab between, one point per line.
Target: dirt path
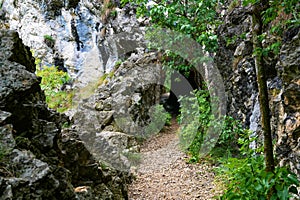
164	173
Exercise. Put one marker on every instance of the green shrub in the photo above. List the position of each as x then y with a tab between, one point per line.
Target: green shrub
227	144
182	18
118	63
159	117
194	119
49	38
52	81
113	14
246	178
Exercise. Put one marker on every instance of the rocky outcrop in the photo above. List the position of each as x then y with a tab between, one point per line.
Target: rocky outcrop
119	111
287	102
236	65
86	38
235	62
37	159
80	36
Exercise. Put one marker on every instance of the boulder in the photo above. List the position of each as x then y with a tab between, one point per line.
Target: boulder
110	120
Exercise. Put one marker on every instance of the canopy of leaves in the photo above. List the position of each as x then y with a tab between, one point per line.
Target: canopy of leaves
195	18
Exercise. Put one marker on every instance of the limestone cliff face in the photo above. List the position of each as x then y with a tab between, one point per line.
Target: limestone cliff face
287	103
235	62
90	160
79	36
37	160
236	65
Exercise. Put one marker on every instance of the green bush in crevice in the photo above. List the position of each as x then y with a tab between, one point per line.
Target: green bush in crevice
51	83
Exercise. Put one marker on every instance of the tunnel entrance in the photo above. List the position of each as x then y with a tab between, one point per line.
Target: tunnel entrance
170	99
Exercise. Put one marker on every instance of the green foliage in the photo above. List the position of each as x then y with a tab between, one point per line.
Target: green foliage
118	63
195	116
52	81
66	125
133	158
113	14
49	38
175	62
111	74
231	40
168	119
245	177
159	117
196	19
232	140
278	12
231	130
102	80
279	16
274	48
124	2
104	166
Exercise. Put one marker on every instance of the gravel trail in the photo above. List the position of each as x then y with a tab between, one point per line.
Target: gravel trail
165	174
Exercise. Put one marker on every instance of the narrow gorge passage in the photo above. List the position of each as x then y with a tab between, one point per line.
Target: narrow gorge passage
165	174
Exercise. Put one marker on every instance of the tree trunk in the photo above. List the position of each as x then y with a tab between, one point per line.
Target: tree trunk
262	85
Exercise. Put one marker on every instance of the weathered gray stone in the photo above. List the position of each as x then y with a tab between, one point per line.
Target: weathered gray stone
82	37
110	120
288	105
235	62
3	116
120	140
37	160
6	137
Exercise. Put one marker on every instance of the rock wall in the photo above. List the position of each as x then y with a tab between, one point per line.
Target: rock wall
75	34
236	65
37	159
93	158
119	111
286	101
235	62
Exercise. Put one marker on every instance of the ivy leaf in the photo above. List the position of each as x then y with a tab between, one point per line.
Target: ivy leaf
293	179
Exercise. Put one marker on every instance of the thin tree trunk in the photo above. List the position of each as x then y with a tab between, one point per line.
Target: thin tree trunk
262	86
